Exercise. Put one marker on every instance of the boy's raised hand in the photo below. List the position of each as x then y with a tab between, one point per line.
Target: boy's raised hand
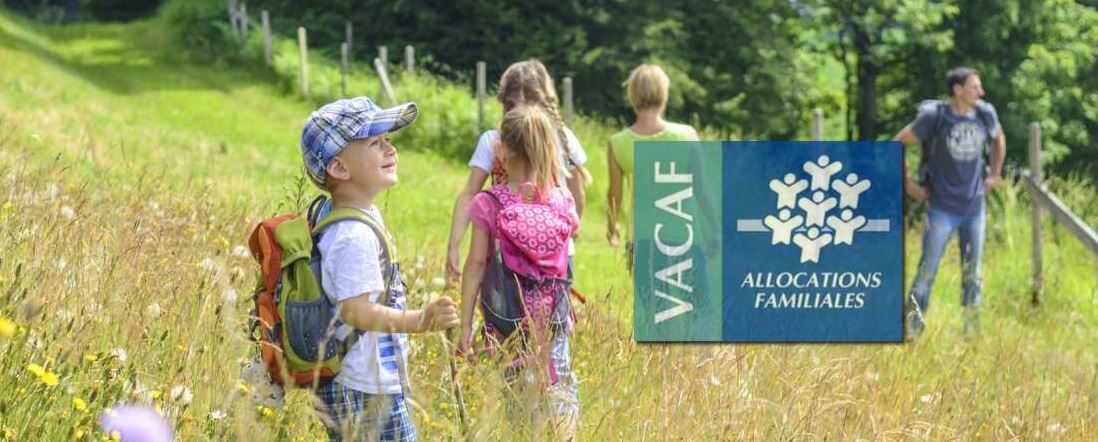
439	314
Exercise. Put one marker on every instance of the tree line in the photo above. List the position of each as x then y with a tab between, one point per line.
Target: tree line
747	68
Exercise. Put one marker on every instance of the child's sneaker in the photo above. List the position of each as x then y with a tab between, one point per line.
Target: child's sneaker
913	320
914	327
262	389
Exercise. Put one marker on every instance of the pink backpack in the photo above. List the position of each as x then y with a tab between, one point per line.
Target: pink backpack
526	275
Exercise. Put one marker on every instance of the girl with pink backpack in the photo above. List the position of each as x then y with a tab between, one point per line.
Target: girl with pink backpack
518	267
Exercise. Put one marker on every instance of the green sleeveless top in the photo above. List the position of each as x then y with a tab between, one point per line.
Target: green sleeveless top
622	142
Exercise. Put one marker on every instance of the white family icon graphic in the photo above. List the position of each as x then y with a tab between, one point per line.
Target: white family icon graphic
814	228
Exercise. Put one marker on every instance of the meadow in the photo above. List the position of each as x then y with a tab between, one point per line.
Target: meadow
131	179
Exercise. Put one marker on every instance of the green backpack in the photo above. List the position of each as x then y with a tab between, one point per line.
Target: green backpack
301	340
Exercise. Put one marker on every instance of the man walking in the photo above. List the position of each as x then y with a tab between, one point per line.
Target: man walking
953	135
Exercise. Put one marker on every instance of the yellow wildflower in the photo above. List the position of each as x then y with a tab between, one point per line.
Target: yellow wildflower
44	376
6	433
91	357
156	394
8	206
79	405
77	433
7	327
49	379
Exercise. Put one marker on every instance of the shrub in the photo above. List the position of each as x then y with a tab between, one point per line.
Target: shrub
200	28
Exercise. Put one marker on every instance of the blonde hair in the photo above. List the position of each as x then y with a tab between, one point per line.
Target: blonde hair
527	131
647	87
528	83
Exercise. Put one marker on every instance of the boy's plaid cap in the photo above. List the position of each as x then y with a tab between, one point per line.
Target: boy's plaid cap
328	130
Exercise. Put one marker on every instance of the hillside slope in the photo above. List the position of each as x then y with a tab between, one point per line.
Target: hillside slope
130	182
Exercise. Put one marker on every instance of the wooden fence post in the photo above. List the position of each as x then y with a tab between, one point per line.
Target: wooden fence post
266	19
232	17
383	55
386	86
482	88
569	109
343	49
1035	217
244	22
304	61
410	59
817	124
348	35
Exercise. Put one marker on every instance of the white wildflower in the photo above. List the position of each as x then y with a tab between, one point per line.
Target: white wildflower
241	252
181	395
35	341
51	191
210	265
229	296
153	310
438	282
119	353
218	415
67	212
64	314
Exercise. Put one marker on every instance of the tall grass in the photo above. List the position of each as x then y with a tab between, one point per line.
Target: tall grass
130	184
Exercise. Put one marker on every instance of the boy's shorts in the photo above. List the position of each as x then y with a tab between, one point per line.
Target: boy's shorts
353	415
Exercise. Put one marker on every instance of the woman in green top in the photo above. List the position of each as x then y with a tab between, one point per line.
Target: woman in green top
646	89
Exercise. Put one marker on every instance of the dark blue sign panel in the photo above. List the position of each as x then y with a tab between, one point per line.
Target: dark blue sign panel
768	242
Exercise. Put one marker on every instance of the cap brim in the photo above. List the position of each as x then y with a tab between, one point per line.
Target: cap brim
389	120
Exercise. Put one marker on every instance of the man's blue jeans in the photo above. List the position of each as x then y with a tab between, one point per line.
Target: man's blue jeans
940	226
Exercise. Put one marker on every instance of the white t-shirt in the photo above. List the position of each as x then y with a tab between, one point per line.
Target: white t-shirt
485	156
349	267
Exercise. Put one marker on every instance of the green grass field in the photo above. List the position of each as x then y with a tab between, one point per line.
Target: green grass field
130	181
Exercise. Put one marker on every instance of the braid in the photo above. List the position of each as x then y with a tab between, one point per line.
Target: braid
550	106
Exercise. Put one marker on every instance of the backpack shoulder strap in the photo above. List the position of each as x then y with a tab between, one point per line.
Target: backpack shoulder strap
349	214
939	118
388	270
987	118
497	202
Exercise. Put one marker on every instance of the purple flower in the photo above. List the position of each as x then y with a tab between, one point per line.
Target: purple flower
135	423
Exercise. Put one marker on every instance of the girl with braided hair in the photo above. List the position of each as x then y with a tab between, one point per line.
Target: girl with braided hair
525	83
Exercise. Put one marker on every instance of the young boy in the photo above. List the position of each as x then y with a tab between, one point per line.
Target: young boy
346	150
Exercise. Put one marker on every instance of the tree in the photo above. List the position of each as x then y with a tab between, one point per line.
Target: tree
870	37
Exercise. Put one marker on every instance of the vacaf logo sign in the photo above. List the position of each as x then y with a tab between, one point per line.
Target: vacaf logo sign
816	210
781	242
